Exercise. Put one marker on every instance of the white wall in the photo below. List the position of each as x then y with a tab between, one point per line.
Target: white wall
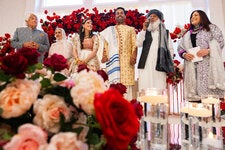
13	14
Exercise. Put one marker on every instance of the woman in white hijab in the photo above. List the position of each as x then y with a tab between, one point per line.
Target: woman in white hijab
62	46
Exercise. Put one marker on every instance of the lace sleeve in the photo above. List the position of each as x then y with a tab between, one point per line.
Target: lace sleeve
95	43
76	45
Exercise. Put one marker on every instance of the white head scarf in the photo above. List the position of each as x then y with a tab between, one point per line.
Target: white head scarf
64	38
63	33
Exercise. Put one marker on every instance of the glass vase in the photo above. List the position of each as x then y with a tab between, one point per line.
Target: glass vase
156	117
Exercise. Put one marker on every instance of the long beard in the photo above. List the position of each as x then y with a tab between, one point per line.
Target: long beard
154	25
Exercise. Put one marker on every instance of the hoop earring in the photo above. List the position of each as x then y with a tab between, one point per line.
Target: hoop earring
82	30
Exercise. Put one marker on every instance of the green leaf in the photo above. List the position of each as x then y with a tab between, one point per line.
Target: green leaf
31	69
60	91
1	111
99	145
78	130
45	83
93	138
2	87
59	77
7	136
35	76
4	77
39	66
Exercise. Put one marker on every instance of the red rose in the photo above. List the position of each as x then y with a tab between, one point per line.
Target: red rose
138	108
103	74
176	62
187	26
173	36
30	54
177	30
7	35
117	118
222	105
82	67
120	87
57	62
14	64
46	11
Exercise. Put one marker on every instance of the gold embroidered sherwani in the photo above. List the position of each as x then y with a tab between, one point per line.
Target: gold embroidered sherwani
126	37
120	51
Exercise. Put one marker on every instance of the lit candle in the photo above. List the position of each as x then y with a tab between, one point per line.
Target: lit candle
212	142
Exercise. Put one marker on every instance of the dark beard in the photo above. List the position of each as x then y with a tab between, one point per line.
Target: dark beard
120	20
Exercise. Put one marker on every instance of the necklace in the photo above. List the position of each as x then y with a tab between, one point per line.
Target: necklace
196	29
86	36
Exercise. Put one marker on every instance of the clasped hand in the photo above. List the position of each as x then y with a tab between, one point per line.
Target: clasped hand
31	44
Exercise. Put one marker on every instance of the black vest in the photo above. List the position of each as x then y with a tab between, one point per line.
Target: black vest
164	60
145	50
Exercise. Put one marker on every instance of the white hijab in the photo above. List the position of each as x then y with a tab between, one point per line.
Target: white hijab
64	38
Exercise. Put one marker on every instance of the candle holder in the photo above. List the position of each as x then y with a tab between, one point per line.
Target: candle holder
155	103
192	115
212	126
212	103
184	117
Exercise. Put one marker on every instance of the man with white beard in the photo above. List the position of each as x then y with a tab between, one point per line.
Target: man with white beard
157	52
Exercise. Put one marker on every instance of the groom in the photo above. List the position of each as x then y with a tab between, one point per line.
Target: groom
121	52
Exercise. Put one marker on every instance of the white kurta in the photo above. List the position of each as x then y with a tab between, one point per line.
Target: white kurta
149	77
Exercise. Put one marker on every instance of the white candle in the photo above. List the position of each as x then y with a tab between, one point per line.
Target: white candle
200	112
210	100
197	110
153	99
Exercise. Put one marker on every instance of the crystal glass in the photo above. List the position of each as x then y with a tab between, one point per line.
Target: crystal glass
212	126
184	116
212	102
155	103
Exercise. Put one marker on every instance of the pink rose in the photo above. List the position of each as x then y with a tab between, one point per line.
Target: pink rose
47	112
17	98
29	137
66	141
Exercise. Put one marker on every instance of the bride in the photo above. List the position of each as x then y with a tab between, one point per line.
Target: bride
86	46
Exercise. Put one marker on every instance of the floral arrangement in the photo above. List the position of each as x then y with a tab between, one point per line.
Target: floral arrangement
179	32
71	23
51	111
5	45
175	77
